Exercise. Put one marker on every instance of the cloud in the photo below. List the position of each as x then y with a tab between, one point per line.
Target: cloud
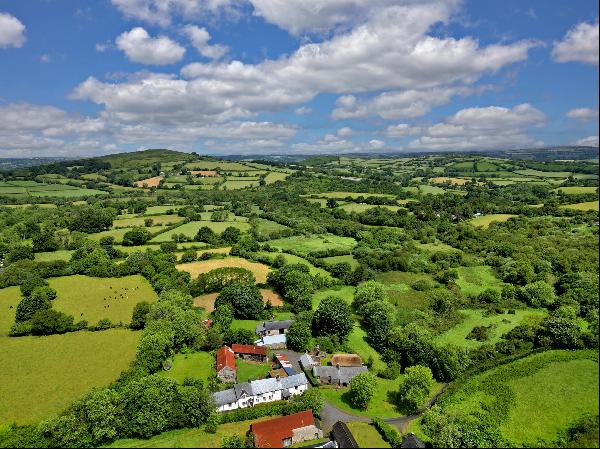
579	45
376	144
584	114
140	47
45	58
12	31
103	46
303	111
396	104
345	132
485	128
590	141
199	38
400	130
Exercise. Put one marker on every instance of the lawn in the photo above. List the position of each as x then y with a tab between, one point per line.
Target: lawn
259	270
191	437
357	342
474	280
366	435
305	244
199	365
533	398
9	298
486	220
91	299
63	254
247	371
191	229
346	292
40	376
589	205
502	323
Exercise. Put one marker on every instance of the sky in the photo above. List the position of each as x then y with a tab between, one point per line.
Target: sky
83	78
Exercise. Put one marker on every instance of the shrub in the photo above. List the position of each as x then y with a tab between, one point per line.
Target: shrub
137	236
48	321
388	433
29	305
139	314
217	279
188	256
414	390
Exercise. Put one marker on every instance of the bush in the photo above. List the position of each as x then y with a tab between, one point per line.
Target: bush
188	255
29	305
367	292
362	389
168	247
139	314
415	387
299	333
48	321
388	433
29	284
137	236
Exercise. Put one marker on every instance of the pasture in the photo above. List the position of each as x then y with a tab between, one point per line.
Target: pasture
40	376
533	398
474	280
259	270
485	220
191	229
118	234
198	365
575	190
291	258
589	205
360	207
92	299
63	254
157	220
501	324
306	244
9	298
339	259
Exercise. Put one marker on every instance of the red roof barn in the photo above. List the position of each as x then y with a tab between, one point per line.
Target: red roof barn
226	369
286	430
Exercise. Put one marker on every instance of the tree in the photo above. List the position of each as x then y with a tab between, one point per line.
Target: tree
219	215
189	255
136	236
362	389
559	333
331	203
31	283
139	314
299	333
219	278
44	241
279	261
223	316
340	270
538	294
90	219
206	234
20	252
378	318
333	317
231	235
29	305
169	247
245	299
48	321
367	292
415	387
311	400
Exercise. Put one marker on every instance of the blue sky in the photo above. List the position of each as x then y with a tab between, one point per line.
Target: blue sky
296	76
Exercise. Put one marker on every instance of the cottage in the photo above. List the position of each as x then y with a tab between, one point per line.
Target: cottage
346	360
226	368
250	352
282	362
273	341
337	375
340	433
273	327
249	394
307	363
286	430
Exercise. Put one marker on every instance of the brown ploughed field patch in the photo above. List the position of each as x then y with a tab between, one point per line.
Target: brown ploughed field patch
150	182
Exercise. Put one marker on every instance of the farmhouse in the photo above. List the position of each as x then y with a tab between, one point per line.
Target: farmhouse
286	430
250	352
226	369
307	362
346	360
249	394
273	341
337	375
273	328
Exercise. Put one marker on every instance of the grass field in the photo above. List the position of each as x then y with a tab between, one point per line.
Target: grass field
63	254
485	220
305	245
153	210
360	207
149	182
474	280
455	181
91	299
162	220
259	270
199	365
191	229
542	394
191	438
207	302
357	342
267	227
339	259
9	298
590	205
247	371
544	174
353	195
366	435
503	323
42	375
291	258
575	190
346	292
118	234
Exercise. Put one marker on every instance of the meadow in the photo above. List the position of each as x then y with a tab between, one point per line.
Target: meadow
306	244
191	229
42	375
575	190
474	280
485	220
9	298
589	205
259	270
118	234
92	299
198	365
157	220
292	259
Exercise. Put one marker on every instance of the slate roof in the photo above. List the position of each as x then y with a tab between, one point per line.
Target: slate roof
272	432
273	325
344	373
307	362
257	387
224	397
271	340
342	435
412	441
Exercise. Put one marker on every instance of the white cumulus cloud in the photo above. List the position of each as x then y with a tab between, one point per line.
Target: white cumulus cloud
199	38
140	47
580	45
590	141
12	31
584	114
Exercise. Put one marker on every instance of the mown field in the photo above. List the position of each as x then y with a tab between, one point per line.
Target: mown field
306	244
589	205
534	398
92	299
198	365
259	270
42	375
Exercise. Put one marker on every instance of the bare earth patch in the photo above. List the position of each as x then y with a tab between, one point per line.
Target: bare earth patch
211	173
150	182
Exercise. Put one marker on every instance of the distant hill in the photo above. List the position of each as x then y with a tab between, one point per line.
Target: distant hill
145	158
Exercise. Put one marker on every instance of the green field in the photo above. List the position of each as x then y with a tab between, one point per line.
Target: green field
267	227
474	280
590	205
199	365
63	254
544	174
9	298
357	343
42	375
485	220
162	220
118	234
346	292
191	229
305	245
502	323
360	207
353	195
247	371
339	259
92	299
533	398
366	435
291	258
575	190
